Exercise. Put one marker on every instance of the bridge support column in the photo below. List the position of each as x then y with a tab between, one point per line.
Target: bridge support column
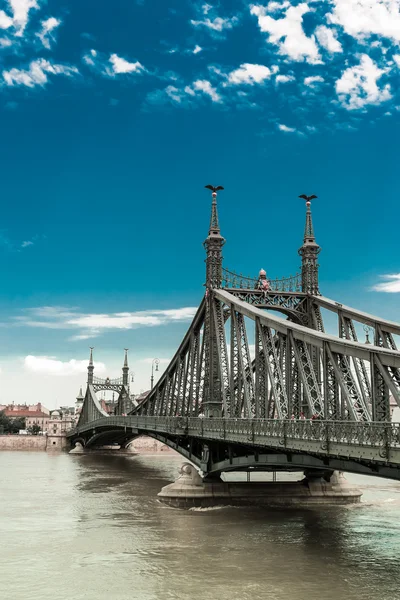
331	485
77	449
190	490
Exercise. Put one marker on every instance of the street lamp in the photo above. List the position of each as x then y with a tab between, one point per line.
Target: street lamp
155	361
367	330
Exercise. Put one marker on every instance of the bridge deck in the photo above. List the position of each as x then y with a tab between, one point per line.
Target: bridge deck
372	441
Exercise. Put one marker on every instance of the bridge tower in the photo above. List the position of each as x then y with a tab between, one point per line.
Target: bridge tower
90	368
124	399
212	402
125	369
213	245
309	254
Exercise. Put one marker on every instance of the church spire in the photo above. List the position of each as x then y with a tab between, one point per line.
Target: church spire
125	369
213	244
309	252
90	366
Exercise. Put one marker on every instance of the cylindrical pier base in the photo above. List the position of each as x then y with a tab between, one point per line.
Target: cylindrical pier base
77	449
190	490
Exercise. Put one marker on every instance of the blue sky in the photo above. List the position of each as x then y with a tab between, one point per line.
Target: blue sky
112	121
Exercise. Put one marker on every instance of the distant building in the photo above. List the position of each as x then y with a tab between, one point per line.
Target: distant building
142	396
32	417
60	422
25	407
67	410
58	425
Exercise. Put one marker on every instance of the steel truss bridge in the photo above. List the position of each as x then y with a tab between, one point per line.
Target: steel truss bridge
303	399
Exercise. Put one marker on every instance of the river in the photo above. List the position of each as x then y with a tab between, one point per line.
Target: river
90	527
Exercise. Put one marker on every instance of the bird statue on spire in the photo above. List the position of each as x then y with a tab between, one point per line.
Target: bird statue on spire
213	188
308	198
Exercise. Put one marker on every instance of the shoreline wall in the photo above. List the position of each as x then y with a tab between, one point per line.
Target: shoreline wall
23	442
148	444
41	443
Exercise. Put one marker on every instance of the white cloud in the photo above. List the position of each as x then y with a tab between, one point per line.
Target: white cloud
327	39
84	336
89	59
20	9
170	94
197	49
284	78
287	129
391	286
91	325
49	365
396	58
115	321
45	35
26	244
5	20
249	74
287	32
363	18
358	87
205	9
120	65
175	94
37	73
163	361
311	81
206	88
112	65
217	24
276	6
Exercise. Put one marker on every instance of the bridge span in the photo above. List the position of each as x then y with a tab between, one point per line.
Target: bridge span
303	400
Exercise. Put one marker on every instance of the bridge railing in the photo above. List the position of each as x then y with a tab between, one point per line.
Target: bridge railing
233	280
348	432
370	434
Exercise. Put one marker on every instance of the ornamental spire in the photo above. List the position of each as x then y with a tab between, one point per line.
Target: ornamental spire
309	229
309	252
90	366
213	244
125	369
214	223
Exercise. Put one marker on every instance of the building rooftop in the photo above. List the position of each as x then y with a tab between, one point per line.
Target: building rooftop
25	413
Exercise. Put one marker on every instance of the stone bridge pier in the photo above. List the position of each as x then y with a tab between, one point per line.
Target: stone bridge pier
315	488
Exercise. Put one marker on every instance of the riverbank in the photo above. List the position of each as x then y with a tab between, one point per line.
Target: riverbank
41	443
37	443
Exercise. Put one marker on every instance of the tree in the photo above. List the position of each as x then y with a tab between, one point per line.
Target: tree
17	424
34	429
8	425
